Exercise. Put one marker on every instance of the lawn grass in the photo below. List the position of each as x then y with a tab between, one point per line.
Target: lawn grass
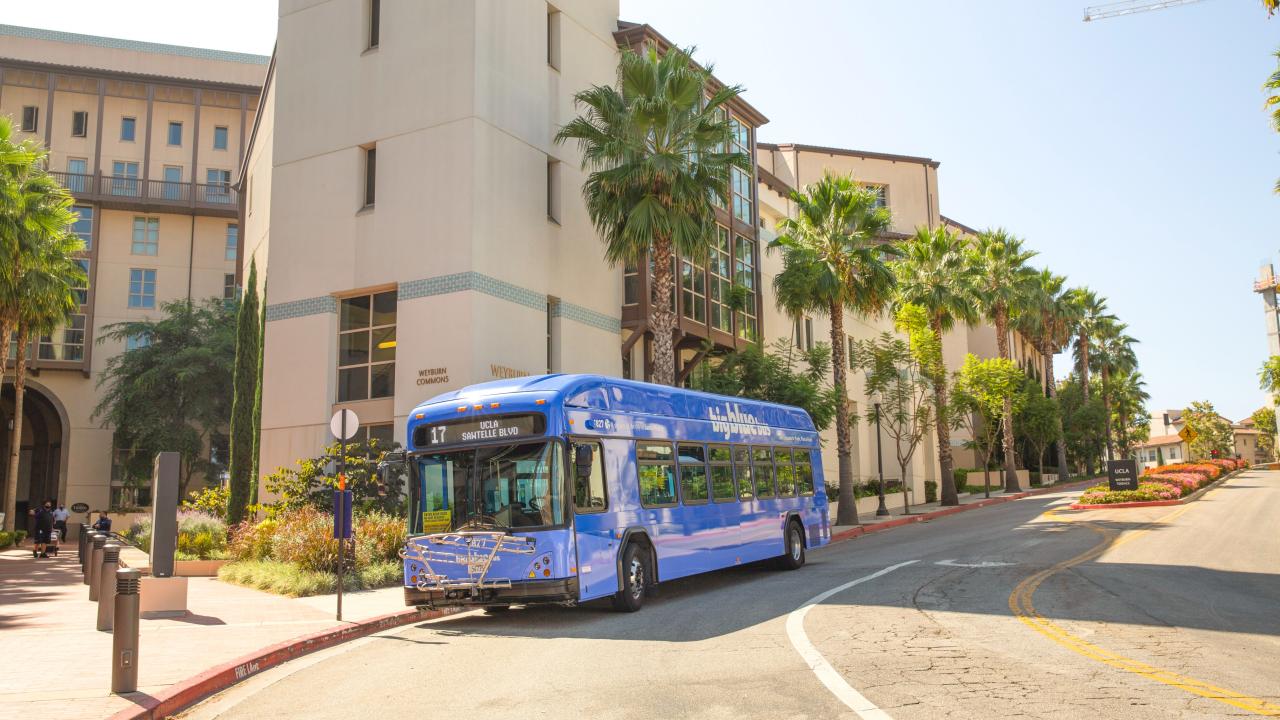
292	581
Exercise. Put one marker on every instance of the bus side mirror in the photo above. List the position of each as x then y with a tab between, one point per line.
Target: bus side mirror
583	459
387	469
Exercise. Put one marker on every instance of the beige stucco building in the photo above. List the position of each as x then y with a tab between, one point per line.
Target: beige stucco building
148	138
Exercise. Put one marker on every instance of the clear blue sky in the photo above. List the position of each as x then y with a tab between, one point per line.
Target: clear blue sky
1133	153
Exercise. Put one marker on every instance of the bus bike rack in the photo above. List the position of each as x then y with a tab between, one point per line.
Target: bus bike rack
474	549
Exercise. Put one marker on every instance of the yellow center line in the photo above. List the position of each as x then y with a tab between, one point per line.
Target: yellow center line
1020	603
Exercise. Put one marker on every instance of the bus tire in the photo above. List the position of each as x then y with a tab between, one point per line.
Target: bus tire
793	547
635	579
496	609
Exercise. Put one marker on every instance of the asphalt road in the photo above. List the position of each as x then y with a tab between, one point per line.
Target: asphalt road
1018	610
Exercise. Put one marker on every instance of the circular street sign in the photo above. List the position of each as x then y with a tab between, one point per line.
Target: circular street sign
80	507
335	424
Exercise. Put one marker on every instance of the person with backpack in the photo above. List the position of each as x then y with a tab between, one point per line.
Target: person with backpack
43	529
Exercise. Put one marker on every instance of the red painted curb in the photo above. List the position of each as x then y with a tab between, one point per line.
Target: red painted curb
860	530
183	695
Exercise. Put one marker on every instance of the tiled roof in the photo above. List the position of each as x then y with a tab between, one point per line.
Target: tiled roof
1162	440
136	45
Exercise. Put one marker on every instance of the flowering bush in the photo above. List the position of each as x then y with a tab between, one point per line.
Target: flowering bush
1185	483
1210	471
1146	492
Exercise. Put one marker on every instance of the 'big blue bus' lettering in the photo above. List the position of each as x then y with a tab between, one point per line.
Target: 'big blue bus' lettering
569	488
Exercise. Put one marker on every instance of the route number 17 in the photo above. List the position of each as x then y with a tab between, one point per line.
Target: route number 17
437	435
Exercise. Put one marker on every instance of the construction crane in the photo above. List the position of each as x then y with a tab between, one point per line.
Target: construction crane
1129	7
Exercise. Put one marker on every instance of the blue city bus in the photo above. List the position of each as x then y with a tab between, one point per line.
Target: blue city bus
569	488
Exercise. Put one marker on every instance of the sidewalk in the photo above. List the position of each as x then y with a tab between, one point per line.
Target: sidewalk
58	665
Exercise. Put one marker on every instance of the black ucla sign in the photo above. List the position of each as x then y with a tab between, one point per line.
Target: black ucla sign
1122	474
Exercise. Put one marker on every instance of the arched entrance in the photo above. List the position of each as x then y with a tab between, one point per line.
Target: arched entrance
42	454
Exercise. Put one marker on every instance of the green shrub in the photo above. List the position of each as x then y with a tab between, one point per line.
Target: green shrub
961	476
19	536
289	579
305	538
379	538
210	501
200	536
930	491
252	542
6	539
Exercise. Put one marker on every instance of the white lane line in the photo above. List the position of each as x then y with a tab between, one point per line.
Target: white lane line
983	564
829	676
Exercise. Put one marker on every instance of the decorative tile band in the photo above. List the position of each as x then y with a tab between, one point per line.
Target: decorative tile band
458	282
301	308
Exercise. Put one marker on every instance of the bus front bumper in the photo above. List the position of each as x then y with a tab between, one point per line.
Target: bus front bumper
561	591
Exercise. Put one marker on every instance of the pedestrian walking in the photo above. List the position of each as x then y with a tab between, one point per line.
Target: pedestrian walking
43	529
104	523
60	516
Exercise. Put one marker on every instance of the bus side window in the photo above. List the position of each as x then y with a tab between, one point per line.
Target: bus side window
693	474
762	468
656	471
722	474
588	477
786	473
804	471
742	464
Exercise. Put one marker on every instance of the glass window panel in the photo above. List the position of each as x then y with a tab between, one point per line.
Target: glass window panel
657	484
589	488
82	292
233	241
128	129
175	133
83	226
804	472
762	469
653	451
693	483
353	348
382	380
719	453
786	473
384	308
219	138
353	384
383	435
353	313
384	344
722	489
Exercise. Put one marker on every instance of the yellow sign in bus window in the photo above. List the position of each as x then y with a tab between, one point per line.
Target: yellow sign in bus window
434	521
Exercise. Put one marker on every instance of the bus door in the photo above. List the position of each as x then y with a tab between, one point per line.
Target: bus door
594	522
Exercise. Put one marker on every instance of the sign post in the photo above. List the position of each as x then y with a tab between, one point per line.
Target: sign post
1188	436
1122	474
343	424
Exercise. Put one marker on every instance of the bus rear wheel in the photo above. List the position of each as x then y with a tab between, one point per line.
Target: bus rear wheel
635	578
793	553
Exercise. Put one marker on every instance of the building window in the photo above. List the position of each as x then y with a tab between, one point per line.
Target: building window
83	226
77	175
808	333
124	178
80	123
175	133
146	236
133	342
553	190
740	181
220	137
553	37
375	22
233	242
30	118
367	346
128	128
553	310
172	188
721	282
66	343
744	276
882	194
797	334
229	286
693	291
142	288
82	292
630	284
370	175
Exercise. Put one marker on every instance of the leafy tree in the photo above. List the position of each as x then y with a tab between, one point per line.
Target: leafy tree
1213	432
896	381
1265	420
1269	376
655	148
1005	284
985	388
243	402
1051	322
1083	424
936	278
1090	311
1040	422
257	397
171	392
779	376
37	272
312	482
833	261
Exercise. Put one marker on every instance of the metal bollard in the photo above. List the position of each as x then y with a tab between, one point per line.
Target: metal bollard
124	642
80	547
107	590
85	553
95	567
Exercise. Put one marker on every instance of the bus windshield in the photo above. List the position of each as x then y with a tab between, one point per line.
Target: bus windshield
502	487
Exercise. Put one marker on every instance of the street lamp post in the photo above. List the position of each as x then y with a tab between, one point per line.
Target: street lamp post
883	510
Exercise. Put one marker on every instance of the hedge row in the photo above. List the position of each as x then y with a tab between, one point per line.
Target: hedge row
1166	482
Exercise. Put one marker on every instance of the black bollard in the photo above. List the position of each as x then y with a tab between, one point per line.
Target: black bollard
95	567
106	588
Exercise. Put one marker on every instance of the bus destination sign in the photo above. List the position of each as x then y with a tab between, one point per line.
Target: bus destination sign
480	429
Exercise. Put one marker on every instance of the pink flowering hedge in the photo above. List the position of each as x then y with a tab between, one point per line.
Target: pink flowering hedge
1146	492
1167	482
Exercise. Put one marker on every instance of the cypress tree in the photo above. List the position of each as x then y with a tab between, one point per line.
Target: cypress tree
245	387
257	399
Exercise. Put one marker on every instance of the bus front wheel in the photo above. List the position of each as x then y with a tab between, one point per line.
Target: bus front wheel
635	577
793	555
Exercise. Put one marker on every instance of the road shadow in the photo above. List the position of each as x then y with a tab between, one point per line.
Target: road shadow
724	602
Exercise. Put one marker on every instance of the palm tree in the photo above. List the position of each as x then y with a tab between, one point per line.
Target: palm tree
1005	282
1113	355
655	148
832	262
934	274
1050	322
1091	312
1129	401
37	273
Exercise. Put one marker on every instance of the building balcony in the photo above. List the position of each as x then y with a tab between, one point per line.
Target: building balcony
126	193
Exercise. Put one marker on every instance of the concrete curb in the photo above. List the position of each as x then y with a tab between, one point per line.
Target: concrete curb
923	517
184	694
1164	503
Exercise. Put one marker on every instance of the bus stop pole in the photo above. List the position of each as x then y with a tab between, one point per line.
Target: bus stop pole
341	511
